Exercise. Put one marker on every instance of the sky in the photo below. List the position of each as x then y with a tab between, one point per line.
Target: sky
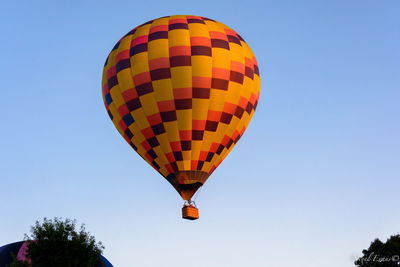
312	182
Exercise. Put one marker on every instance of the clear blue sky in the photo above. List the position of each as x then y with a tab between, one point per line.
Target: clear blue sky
314	179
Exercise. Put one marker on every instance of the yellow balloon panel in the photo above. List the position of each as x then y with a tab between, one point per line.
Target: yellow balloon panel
181	90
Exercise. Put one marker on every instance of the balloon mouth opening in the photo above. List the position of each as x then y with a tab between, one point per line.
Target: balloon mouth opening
187	182
188	190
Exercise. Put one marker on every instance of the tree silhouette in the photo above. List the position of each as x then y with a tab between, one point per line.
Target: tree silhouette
58	243
381	254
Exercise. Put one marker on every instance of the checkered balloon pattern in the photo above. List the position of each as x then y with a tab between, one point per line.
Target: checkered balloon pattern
181	90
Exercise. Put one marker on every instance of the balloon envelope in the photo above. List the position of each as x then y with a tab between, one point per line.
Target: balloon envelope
181	90
19	250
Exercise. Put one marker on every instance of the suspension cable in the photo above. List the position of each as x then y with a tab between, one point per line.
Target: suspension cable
197	193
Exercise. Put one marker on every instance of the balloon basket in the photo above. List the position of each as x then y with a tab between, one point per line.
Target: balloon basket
190	213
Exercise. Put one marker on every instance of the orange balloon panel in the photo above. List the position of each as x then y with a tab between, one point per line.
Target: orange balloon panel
181	90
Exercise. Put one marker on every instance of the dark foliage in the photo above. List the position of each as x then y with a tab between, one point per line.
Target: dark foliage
57	243
381	254
17	263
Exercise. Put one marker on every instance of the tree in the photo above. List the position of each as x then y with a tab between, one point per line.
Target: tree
381	254
58	243
17	263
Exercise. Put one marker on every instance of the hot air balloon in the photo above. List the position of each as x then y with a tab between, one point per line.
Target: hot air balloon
181	90
19	250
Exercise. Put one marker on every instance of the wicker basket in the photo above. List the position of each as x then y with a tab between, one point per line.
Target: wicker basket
190	213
